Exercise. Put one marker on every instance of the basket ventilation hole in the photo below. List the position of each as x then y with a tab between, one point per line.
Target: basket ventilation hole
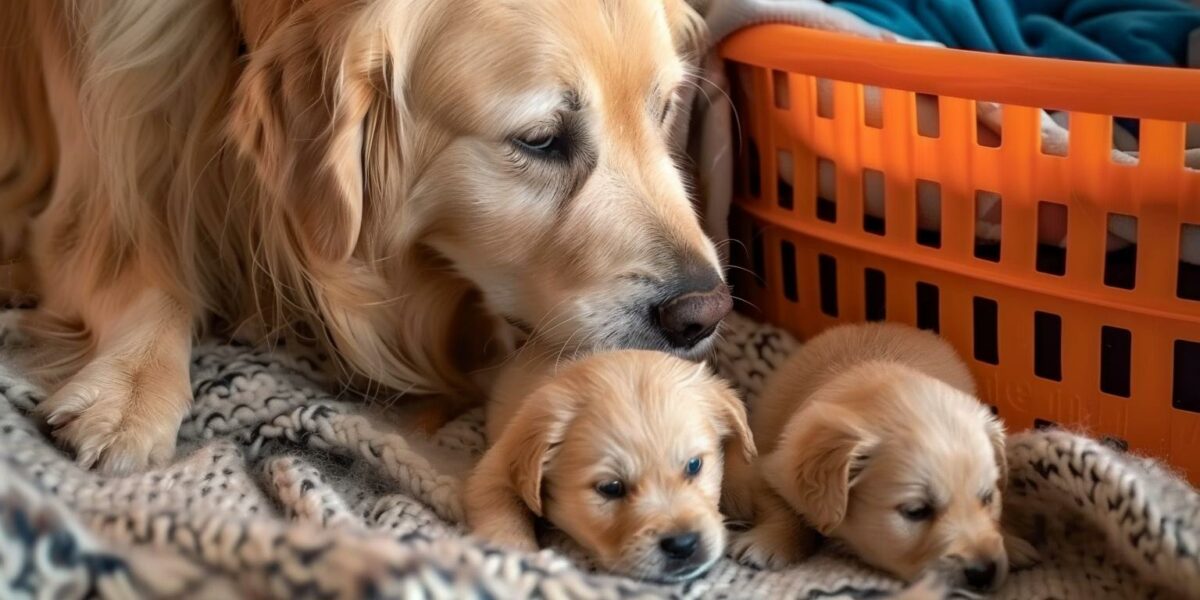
1188	279
928	116
929	213
753	169
875	292
758	255
1052	238
787	263
1059	144
1120	264
826	190
827	276
1125	137
874	204
988	137
928	309
1187	376
989	213
1115	354
1047	346
784	191
986	325
783	96
1044	424
824	98
872	106
1191	146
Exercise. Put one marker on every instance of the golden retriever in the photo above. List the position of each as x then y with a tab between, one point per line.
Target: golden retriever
871	435
411	184
622	451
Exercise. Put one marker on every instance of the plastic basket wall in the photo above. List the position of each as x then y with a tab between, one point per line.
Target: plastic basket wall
1053	334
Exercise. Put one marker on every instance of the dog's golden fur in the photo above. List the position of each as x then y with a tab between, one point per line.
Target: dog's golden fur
871	435
632	416
344	171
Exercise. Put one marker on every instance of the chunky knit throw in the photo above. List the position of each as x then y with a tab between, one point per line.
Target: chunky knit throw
281	489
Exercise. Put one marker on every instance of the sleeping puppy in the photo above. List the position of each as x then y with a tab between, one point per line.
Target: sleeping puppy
622	451
871	435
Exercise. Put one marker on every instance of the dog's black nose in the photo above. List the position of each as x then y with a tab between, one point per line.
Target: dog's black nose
680	546
693	315
981	575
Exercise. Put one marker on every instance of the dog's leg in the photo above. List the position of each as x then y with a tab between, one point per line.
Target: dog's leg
121	412
779	536
494	511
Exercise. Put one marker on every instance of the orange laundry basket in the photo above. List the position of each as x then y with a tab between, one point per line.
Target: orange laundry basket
1067	344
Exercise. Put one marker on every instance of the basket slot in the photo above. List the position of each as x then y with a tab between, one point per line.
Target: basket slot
1116	344
1186	389
989	219
875	294
985	332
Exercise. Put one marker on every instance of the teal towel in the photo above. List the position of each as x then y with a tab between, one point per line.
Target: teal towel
1148	32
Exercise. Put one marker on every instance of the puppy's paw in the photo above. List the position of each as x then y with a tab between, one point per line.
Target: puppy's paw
119	416
509	538
765	547
1021	554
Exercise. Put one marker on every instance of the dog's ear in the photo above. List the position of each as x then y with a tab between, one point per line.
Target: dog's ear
820	457
298	114
997	438
688	30
529	441
730	413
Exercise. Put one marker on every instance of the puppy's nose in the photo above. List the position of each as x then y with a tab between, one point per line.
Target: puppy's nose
980	576
693	315
680	546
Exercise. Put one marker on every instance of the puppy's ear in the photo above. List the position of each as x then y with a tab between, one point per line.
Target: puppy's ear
530	438
730	413
821	455
997	438
298	115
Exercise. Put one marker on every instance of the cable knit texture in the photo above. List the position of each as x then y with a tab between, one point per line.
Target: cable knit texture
280	489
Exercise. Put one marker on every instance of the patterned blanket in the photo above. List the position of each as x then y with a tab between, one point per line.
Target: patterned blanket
284	489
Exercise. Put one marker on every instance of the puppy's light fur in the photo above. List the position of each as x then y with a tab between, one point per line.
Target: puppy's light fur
345	172
636	417
865	424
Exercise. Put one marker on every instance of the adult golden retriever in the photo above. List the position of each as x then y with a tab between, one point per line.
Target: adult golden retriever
412	184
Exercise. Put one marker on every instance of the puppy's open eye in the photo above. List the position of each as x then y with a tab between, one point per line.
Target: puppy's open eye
543	145
692	468
916	512
611	489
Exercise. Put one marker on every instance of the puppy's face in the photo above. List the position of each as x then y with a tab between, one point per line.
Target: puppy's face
915	469
636	476
544	175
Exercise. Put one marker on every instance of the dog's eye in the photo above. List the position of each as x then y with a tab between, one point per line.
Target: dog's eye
543	145
986	498
611	489
666	112
693	466
916	512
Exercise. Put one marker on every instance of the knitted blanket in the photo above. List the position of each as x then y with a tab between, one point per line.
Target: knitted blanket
282	489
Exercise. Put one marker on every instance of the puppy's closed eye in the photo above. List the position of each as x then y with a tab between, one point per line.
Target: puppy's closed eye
917	512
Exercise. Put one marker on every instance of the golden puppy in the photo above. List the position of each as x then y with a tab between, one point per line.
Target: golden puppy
623	451
402	182
872	435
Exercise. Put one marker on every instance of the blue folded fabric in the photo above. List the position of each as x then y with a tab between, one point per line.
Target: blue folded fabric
1148	32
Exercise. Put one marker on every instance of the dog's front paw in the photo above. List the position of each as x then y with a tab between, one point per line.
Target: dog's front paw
509	539
118	416
765	547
